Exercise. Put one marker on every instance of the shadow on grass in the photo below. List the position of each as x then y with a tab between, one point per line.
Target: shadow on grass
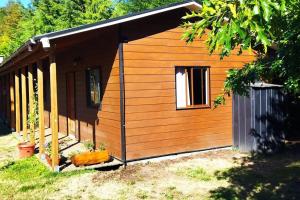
263	177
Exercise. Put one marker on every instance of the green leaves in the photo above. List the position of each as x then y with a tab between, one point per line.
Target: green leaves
18	24
272	28
256	10
11	17
233	22
130	6
232	8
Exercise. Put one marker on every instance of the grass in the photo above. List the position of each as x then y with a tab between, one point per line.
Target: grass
262	177
29	177
172	193
142	194
197	173
218	175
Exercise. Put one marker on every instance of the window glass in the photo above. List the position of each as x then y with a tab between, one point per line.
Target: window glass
192	87
94	93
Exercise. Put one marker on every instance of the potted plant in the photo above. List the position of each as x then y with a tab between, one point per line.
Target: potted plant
26	148
92	156
48	153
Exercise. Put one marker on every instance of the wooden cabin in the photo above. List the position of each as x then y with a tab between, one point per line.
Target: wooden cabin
129	82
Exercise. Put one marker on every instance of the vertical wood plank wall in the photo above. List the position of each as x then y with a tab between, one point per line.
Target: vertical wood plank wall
153	125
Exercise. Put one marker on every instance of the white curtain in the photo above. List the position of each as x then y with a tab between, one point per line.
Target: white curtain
182	88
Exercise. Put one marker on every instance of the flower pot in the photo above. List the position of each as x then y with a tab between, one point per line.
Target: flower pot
90	158
26	149
49	159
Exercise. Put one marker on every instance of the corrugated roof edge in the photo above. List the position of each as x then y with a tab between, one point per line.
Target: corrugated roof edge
265	85
104	23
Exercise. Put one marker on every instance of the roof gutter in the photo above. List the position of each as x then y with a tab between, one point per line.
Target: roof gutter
45	38
190	5
19	50
28	46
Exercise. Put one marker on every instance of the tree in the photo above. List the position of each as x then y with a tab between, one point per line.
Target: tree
124	7
271	28
10	16
18	24
49	16
97	10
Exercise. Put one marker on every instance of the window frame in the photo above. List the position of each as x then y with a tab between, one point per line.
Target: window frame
208	88
88	87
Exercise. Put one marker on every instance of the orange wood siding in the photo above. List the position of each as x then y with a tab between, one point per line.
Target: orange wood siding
153	125
99	51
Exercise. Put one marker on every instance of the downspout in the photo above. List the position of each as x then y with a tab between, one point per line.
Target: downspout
122	99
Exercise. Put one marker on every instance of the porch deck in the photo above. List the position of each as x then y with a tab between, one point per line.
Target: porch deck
68	146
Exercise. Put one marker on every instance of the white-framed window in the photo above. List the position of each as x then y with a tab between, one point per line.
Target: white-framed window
192	87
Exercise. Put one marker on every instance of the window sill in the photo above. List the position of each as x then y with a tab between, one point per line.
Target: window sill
194	107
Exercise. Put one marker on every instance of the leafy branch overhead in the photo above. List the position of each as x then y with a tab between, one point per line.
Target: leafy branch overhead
270	28
234	23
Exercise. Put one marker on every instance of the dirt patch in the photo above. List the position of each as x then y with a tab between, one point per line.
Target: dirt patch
218	174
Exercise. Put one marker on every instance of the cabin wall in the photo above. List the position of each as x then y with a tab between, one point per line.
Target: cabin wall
101	125
5	98
47	101
153	125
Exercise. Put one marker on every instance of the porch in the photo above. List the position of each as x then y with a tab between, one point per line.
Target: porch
23	114
39	77
68	146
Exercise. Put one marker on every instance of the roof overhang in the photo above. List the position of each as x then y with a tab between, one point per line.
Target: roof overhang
191	5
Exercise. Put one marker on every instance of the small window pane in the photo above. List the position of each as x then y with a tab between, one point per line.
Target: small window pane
94	86
191	86
199	86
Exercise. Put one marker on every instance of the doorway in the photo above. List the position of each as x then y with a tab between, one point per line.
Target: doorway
71	106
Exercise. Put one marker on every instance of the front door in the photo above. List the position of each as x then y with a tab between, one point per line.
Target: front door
71	109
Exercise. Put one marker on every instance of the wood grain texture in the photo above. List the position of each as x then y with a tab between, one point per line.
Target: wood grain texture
98	125
31	99
41	107
17	103
54	111
153	125
24	103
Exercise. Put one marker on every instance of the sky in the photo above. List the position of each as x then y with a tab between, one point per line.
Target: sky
24	2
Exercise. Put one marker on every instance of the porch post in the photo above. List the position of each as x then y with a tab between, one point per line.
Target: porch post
31	96
17	104
40	76
24	103
54	111
12	101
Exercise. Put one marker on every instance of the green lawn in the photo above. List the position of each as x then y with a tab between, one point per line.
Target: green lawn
30	178
224	174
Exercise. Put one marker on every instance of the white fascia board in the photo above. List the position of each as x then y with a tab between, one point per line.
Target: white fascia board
189	5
